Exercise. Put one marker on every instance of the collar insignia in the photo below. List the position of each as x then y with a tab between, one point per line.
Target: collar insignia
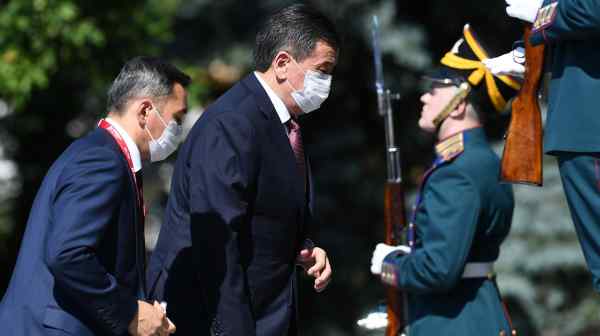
451	147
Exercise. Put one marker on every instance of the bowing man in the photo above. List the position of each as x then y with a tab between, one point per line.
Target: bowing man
80	269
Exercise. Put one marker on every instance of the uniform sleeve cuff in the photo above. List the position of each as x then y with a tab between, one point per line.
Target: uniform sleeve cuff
389	268
388	273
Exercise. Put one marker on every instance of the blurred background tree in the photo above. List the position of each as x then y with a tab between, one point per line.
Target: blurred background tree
57	58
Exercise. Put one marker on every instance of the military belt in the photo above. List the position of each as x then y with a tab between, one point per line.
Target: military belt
478	270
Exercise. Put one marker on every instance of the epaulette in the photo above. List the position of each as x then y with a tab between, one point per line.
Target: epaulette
451	147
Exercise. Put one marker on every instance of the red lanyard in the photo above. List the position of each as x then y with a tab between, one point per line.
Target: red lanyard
121	142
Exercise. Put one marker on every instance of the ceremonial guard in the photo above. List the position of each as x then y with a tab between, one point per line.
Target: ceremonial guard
462	213
570	32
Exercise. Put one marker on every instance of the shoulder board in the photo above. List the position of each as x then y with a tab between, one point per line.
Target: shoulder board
451	147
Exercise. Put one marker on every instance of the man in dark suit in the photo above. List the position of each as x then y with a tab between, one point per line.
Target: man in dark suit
462	213
80	269
571	32
241	199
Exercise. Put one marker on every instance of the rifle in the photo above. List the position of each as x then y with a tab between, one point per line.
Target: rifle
522	156
394	211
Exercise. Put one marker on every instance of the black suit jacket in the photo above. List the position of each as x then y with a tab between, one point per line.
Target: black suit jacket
81	262
236	217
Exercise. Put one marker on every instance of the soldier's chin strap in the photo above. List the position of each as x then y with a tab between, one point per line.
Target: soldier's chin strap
461	93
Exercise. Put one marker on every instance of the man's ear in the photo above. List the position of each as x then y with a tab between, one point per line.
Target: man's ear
280	65
143	108
460	111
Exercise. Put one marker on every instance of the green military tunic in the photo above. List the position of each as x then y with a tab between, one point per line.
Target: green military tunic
571	32
463	216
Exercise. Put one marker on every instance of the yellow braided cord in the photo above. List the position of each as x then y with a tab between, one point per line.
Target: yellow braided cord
480	71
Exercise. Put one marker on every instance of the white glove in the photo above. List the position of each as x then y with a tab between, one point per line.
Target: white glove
373	321
381	251
525	10
510	63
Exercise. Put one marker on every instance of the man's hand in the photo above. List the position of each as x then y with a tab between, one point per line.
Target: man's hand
525	10
151	320
381	251
510	63
316	264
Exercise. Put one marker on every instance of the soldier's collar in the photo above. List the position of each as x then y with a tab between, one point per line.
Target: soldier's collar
450	147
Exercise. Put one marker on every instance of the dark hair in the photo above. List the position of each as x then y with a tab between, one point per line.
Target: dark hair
144	76
481	105
296	29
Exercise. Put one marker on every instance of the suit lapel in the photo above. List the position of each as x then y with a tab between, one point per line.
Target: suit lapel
278	135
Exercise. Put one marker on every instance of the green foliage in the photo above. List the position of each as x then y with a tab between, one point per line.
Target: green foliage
34	35
39	37
200	87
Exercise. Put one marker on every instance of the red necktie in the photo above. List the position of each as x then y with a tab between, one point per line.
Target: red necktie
295	137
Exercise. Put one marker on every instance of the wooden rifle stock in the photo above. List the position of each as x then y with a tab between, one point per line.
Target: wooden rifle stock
522	156
395	221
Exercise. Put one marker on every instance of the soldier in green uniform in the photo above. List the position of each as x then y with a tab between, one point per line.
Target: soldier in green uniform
462	213
571	32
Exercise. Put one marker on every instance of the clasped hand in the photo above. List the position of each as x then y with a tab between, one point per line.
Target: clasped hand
151	320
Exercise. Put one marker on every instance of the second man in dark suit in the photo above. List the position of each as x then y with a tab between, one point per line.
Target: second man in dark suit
238	215
80	269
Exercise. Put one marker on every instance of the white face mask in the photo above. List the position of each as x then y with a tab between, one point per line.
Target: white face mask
170	138
316	89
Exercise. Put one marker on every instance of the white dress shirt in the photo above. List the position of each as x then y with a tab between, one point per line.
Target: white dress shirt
131	146
280	108
284	116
